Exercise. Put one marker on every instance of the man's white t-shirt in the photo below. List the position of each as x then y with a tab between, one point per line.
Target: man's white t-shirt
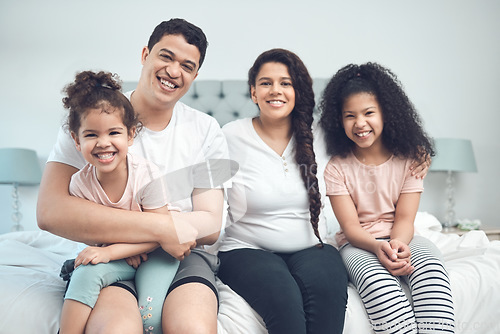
184	152
268	201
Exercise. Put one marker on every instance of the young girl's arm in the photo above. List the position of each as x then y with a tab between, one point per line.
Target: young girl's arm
347	216
95	255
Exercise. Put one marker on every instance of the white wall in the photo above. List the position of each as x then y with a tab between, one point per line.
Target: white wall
445	52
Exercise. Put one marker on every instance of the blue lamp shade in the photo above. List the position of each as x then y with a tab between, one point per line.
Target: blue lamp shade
455	155
19	166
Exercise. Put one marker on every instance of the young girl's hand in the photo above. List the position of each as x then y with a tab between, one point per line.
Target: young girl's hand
92	255
136	260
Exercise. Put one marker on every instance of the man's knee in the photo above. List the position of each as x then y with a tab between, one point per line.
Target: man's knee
190	309
193	327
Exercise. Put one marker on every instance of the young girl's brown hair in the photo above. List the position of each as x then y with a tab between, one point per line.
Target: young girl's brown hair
101	90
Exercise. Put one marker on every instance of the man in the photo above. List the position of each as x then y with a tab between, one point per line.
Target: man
178	139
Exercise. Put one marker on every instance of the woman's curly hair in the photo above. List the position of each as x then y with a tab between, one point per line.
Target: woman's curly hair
92	90
403	133
302	118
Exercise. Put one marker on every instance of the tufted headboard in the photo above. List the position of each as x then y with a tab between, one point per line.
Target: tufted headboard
226	100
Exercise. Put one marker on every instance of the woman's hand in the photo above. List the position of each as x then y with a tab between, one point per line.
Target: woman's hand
93	255
420	167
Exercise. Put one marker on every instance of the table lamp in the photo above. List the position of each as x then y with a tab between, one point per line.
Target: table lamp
452	155
19	166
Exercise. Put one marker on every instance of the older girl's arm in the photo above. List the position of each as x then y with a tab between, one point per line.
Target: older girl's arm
347	216
406	210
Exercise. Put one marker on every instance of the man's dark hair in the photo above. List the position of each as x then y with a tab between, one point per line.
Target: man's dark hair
193	35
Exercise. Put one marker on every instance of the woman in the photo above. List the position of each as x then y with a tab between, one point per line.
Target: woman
272	253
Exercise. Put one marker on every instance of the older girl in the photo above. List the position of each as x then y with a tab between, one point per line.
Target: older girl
374	134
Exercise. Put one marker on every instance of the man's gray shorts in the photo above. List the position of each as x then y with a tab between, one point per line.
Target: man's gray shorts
198	267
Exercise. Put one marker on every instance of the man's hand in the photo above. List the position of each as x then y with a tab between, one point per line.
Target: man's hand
179	251
180	241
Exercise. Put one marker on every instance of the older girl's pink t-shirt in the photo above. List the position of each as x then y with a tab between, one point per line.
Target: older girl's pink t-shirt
374	190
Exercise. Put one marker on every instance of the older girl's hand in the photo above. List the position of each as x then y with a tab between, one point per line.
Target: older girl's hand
401	249
388	257
403	252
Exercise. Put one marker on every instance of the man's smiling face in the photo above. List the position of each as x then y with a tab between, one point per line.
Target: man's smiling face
169	69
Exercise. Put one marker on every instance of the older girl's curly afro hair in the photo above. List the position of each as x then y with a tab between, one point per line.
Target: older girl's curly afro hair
403	133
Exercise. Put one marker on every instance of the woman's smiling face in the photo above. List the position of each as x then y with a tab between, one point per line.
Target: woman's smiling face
273	91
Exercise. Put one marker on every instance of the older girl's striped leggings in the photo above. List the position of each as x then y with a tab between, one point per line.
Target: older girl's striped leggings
430	307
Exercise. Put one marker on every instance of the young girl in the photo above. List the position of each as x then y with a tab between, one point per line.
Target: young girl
373	134
102	123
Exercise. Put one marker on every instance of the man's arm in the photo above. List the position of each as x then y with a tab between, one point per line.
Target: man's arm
206	217
78	219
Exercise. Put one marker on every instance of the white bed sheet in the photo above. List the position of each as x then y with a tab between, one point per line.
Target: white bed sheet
31	290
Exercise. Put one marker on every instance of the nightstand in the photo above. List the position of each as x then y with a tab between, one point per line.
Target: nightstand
491	233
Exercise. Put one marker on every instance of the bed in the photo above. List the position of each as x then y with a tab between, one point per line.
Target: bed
31	290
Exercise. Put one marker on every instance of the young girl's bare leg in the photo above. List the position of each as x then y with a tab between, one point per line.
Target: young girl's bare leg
116	311
74	317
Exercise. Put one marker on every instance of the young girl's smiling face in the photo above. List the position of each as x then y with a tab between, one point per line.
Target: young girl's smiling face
363	120
103	140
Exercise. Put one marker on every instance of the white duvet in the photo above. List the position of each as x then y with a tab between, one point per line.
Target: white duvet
31	290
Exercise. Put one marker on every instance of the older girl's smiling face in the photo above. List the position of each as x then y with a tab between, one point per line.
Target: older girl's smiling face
273	92
362	120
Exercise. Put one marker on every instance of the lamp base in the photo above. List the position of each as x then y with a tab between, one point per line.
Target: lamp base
446	228
16	215
449	220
